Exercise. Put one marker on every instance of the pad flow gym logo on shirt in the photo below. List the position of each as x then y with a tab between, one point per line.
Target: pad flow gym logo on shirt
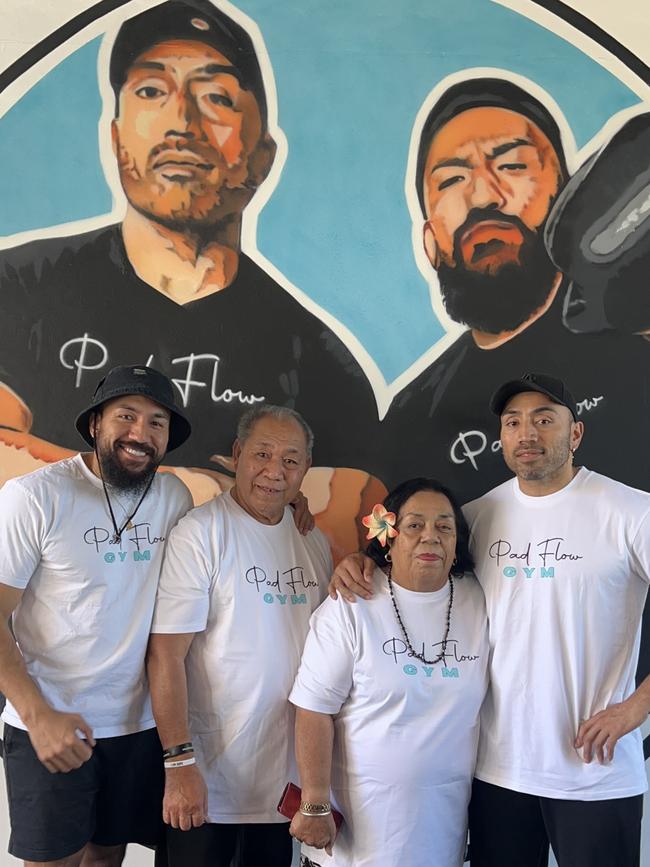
134	545
531	559
397	649
281	587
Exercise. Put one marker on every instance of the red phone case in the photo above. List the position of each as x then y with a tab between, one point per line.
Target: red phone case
289	804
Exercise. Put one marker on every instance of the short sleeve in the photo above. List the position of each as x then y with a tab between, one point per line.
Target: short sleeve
22	532
324	679
640	553
183	600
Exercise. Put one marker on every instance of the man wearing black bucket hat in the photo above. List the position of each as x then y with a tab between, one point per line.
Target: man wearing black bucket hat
81	544
563	556
490	164
177	281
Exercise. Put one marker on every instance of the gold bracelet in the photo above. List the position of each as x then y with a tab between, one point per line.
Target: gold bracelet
307	808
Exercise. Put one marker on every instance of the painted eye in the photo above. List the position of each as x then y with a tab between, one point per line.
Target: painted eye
449	182
220	99
148	91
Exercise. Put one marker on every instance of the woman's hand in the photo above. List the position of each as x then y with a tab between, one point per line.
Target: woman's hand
316	831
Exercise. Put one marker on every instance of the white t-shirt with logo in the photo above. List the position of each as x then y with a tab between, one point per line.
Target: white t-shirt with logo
565	578
405	733
248	590
82	623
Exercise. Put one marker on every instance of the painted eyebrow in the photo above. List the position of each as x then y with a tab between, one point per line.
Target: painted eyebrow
460	162
209	70
457	162
509	146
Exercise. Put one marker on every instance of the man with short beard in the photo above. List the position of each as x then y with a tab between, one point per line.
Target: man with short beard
490	164
563	556
81	545
172	282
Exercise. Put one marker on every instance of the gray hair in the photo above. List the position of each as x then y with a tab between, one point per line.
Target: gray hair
268	410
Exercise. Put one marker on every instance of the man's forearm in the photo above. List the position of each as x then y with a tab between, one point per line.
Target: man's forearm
168	684
314	742
15	682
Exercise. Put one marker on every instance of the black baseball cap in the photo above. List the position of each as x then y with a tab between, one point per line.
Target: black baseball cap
548	385
141	380
193	20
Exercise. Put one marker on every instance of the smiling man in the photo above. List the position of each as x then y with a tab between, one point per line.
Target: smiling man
490	164
80	552
171	281
237	590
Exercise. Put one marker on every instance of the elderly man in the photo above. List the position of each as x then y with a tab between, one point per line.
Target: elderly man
81	545
563	556
238	586
490	164
171	282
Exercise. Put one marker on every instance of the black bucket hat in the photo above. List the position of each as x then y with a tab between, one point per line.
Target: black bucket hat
141	380
541	382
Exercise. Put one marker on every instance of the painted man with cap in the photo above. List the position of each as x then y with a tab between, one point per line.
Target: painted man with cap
490	164
563	556
81	545
176	281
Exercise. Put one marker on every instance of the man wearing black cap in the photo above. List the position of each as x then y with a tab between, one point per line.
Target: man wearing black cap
489	166
81	544
171	283
563	556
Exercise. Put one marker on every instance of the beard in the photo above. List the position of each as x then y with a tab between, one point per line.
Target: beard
118	476
501	300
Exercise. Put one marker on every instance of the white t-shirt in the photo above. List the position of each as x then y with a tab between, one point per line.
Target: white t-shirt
565	578
83	621
405	733
248	589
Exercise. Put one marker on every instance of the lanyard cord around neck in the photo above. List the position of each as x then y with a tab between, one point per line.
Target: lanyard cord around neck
117	537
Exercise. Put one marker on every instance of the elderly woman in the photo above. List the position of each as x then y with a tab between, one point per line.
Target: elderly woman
388	696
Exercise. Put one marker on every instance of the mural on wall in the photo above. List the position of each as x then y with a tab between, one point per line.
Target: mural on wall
376	244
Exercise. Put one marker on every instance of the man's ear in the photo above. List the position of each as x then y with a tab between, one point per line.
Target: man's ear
577	432
115	136
92	424
236	453
261	160
430	244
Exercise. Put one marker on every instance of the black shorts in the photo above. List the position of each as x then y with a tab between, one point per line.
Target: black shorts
259	844
113	798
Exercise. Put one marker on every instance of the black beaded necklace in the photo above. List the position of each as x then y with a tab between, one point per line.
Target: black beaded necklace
407	640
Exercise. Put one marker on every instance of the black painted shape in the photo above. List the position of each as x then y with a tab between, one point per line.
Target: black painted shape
56	38
582	23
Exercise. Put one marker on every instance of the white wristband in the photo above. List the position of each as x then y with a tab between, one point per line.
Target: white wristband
181	763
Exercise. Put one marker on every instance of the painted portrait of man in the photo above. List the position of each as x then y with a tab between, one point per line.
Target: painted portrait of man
490	164
169	283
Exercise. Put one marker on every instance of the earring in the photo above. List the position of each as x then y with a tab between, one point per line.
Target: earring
387	557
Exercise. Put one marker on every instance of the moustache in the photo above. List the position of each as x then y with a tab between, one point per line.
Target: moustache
485	215
183	146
